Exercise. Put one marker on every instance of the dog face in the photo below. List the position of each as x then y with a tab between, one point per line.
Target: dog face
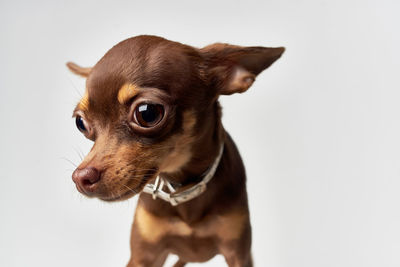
149	102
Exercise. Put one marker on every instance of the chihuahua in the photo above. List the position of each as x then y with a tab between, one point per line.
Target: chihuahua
151	107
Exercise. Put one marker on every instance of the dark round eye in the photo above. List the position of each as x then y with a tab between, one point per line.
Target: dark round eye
148	115
80	124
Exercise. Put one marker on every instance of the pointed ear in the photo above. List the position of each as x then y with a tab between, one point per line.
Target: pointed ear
233	69
84	72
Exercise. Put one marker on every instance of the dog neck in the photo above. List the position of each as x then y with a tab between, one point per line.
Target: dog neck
209	135
178	194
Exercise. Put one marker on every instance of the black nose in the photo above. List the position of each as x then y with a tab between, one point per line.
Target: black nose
86	178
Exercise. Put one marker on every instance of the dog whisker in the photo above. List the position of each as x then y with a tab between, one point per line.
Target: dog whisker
70	161
141	170
138	178
79	154
76	89
130	189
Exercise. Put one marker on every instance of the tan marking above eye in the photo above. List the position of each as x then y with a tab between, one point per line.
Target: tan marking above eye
84	103
126	92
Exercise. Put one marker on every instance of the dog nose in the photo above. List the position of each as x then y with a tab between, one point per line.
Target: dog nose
86	177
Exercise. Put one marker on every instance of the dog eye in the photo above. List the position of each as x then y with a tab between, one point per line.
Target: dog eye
80	124
148	115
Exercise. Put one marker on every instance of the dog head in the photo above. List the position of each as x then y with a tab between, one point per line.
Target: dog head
150	104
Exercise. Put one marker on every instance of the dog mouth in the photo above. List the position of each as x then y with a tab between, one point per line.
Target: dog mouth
127	192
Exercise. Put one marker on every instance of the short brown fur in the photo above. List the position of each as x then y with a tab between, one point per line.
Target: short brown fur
186	82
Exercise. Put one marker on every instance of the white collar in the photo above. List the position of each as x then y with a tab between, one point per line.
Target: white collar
156	189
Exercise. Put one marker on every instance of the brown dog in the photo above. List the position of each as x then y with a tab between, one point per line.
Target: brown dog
151	107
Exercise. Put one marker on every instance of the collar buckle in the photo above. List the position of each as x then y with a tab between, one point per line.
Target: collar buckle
176	198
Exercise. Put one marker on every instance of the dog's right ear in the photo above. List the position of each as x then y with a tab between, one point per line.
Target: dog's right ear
233	69
81	71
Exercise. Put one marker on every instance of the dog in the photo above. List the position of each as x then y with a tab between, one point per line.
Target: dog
151	107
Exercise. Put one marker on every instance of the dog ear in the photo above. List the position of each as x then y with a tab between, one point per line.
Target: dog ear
233	69
84	72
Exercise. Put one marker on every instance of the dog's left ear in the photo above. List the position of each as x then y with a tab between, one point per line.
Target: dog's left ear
233	69
81	71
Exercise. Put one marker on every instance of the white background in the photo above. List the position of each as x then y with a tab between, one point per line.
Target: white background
319	131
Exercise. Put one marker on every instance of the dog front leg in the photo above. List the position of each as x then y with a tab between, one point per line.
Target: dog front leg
236	258
145	254
237	252
235	261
